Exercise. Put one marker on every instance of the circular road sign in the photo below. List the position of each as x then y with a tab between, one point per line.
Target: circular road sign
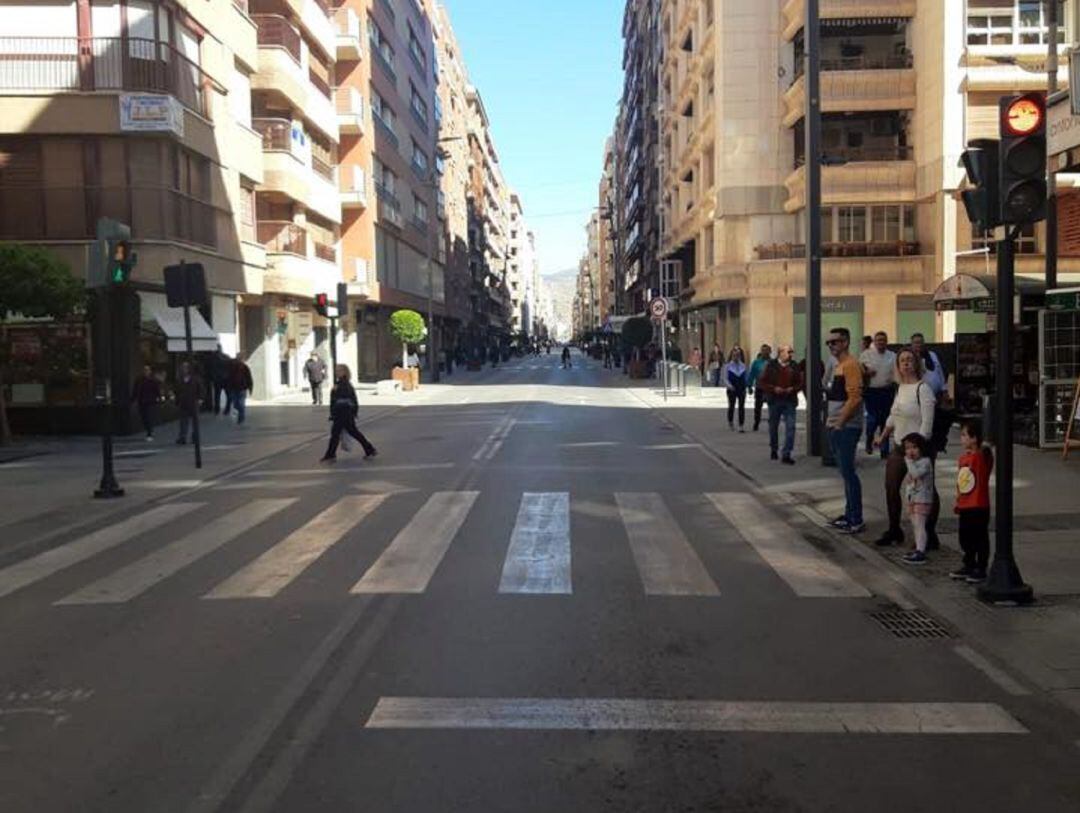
658	308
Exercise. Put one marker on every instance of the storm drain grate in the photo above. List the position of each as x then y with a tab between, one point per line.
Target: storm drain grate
910	624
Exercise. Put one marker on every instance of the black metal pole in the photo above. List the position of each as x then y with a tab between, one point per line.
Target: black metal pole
191	364
814	418
1051	177
1004	583
333	346
108	487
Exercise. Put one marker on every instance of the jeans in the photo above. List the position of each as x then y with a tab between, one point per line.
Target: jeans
844	442
185	423
759	404
879	401
736	396
782	411
238	399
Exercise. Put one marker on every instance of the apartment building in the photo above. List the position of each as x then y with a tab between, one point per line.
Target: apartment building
606	233
637	145
904	85
392	244
136	111
515	269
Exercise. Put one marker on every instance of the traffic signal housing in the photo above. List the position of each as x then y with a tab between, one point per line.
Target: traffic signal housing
983	200
322	304
120	262
1022	158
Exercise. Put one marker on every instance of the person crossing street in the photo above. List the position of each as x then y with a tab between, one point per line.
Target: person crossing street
343	410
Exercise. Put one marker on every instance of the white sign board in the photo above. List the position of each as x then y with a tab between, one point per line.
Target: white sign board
658	308
1062	129
151	112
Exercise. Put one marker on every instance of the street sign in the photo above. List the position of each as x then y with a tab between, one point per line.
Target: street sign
658	308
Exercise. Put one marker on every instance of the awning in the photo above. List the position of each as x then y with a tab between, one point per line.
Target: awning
171	322
978	292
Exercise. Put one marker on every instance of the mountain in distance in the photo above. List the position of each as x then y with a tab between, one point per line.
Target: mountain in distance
562	285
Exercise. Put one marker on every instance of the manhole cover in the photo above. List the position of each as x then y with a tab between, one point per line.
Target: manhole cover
910	624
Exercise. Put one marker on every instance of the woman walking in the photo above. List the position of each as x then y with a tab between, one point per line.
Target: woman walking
912	412
735	373
716	363
343	410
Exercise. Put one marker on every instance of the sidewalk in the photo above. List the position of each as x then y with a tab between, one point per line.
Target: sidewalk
1042	641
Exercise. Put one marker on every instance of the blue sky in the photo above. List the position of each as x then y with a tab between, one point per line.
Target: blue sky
550	74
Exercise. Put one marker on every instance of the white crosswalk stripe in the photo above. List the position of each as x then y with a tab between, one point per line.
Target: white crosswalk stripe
412	558
538	560
43	565
276	568
138	577
806	570
665	560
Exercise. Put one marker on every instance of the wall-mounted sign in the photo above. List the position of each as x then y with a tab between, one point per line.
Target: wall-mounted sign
1062	128
151	112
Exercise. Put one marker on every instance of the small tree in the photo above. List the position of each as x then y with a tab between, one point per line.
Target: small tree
34	283
408	328
637	332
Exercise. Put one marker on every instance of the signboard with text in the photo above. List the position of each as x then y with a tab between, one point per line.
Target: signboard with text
151	112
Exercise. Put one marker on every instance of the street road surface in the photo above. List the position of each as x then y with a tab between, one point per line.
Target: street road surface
540	596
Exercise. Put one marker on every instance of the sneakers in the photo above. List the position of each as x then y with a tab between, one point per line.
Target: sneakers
857	528
787	460
976	577
961	574
328	459
889	538
371	454
840	523
773	455
916	557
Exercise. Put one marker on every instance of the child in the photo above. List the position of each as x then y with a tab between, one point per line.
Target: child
919	492
973	503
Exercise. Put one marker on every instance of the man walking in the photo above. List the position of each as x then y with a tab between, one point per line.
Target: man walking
188	389
934	373
219	379
879	373
781	383
844	402
757	367
315	371
146	395
241	385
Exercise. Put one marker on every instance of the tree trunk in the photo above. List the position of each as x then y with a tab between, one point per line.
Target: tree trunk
404	356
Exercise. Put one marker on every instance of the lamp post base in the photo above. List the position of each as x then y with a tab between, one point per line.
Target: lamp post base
1005	585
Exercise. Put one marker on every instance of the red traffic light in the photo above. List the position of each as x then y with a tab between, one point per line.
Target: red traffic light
322	304
1023	116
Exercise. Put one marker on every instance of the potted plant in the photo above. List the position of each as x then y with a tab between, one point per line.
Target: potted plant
408	328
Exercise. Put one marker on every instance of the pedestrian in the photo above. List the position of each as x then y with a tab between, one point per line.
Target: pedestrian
757	367
566	357
933	371
844	408
188	387
919	493
146	394
867	341
879	376
912	411
607	357
343	411
781	382
716	362
735	373
973	503
219	376
695	359
241	384
315	372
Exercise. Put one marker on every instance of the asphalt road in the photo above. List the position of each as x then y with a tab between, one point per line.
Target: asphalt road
539	597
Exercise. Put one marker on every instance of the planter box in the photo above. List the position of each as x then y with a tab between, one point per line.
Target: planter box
409	378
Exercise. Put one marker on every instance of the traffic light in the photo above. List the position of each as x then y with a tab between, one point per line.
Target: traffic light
322	304
343	299
982	200
120	262
1023	158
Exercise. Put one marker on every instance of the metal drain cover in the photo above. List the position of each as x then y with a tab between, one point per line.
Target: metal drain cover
910	624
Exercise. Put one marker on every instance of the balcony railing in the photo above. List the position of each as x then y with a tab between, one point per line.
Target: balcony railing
322	167
324	251
420	117
70	213
277	32
386	130
276	134
101	63
418	224
282	237
383	62
855	155
898	61
387	197
320	83
797	251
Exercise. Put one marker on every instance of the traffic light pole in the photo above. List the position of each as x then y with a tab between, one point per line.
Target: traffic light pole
191	364
1051	177
333	345
108	487
814	418
1004	583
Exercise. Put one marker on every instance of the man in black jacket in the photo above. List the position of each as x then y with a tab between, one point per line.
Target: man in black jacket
188	392
343	410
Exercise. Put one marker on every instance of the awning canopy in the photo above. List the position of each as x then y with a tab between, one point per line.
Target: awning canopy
978	292
171	322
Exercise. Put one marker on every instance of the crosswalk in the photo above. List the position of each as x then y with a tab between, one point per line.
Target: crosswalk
671	556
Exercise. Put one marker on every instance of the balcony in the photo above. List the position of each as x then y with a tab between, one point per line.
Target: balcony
324	251
794	12
276	134
354	191
68	64
854	90
274	31
281	237
385	130
858	182
349	34
797	251
859	155
350	111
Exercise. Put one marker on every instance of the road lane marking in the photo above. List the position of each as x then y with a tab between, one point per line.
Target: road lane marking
668	447
45	564
139	576
589	444
538	559
410	561
998	676
600	714
666	562
495	440
270	485
276	568
329	471
806	570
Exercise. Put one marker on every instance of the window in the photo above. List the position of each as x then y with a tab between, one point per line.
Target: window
419	157
382	110
999	22
384	176
860	224
416	50
247	214
379	41
419	106
1025	243
852	223
420	210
